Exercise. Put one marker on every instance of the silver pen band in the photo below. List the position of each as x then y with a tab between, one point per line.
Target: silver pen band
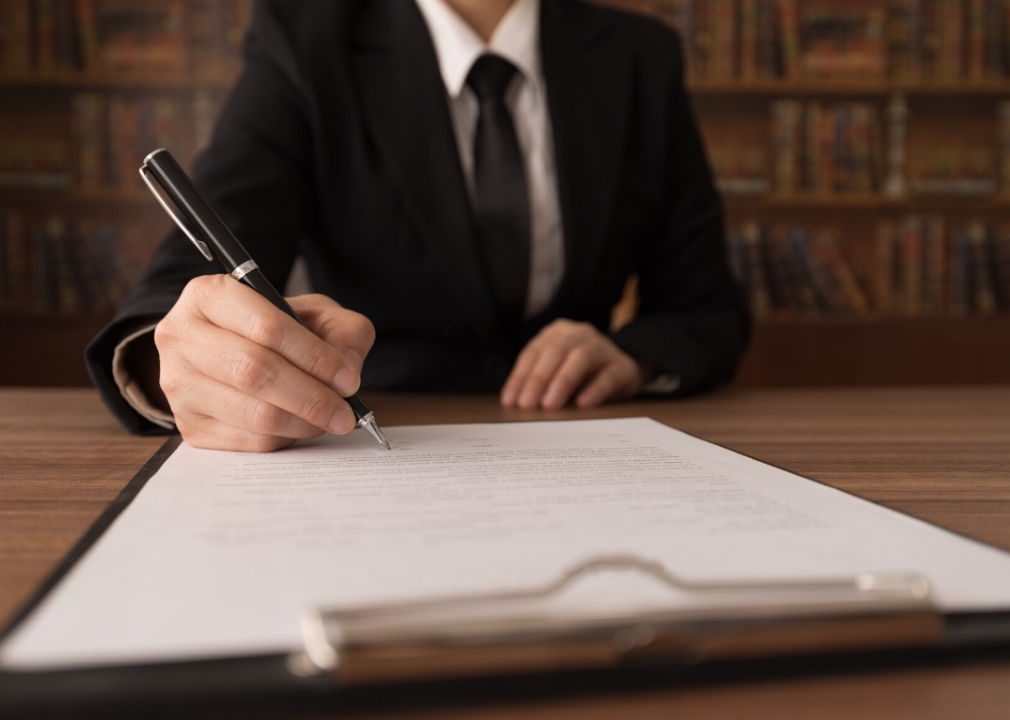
244	269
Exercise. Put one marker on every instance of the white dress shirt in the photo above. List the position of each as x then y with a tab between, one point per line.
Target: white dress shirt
517	39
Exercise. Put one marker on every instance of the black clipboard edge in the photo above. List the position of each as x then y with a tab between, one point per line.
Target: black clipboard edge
262	687
97	529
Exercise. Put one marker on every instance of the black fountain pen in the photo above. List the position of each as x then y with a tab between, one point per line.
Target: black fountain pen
219	241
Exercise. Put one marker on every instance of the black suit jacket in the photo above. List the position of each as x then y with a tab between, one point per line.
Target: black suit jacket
336	142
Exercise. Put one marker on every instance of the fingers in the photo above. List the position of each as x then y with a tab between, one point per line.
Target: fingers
619	379
234	409
240	374
233	306
256	372
564	358
212	434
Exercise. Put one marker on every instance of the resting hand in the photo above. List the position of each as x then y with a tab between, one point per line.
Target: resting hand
566	358
242	375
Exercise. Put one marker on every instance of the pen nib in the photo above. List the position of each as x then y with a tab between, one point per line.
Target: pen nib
369	424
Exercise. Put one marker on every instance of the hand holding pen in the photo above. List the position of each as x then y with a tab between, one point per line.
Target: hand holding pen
243	369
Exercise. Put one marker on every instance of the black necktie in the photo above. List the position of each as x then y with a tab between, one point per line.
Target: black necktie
503	211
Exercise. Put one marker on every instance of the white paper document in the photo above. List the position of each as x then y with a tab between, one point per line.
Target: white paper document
221	553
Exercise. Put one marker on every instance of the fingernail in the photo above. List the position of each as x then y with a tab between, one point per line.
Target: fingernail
343	422
355	358
347	381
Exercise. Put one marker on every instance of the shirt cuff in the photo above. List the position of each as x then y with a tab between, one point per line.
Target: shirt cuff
131	390
662	385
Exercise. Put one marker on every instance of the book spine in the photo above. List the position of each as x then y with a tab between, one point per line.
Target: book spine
6	300
821	278
952	41
935	266
1001	265
960	270
768	56
861	139
88	121
758	295
994	31
851	297
1003	152
812	147
786	130
65	298
45	41
15	37
782	284
976	42
883	284
701	48
124	151
915	24
984	296
748	40
912	267
789	38
66	43
87	27
724	40
40	279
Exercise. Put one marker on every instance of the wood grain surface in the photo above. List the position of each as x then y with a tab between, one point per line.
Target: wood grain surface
941	454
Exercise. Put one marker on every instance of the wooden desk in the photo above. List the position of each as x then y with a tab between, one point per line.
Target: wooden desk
939	454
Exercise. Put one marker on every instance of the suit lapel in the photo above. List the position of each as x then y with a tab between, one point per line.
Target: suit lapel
588	88
403	98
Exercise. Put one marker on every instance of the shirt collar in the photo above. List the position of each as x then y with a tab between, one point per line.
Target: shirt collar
517	39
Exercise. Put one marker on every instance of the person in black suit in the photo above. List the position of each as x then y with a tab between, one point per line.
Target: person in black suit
343	141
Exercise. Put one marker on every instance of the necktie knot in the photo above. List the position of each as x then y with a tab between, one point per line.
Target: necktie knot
489	77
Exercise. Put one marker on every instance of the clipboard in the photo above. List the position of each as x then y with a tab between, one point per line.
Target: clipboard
467	647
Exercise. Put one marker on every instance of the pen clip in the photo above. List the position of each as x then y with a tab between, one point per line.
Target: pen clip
149	180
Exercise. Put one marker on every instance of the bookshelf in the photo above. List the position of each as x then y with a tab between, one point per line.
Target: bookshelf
827	121
87	88
863	150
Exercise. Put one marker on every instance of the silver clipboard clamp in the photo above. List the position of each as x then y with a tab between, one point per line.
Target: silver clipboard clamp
514	632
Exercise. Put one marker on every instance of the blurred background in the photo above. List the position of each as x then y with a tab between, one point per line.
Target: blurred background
862	148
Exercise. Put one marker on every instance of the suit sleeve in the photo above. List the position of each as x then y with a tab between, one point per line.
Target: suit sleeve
692	321
256	173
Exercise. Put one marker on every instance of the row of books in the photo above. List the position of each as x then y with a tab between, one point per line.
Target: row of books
58	36
795	272
839	148
913	40
111	136
925	267
61	267
921	269
825	148
949	40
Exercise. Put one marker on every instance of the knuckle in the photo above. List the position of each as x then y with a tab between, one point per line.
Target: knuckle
170	383
580	355
317	409
322	364
267	418
267	329
166	332
200	288
251	372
